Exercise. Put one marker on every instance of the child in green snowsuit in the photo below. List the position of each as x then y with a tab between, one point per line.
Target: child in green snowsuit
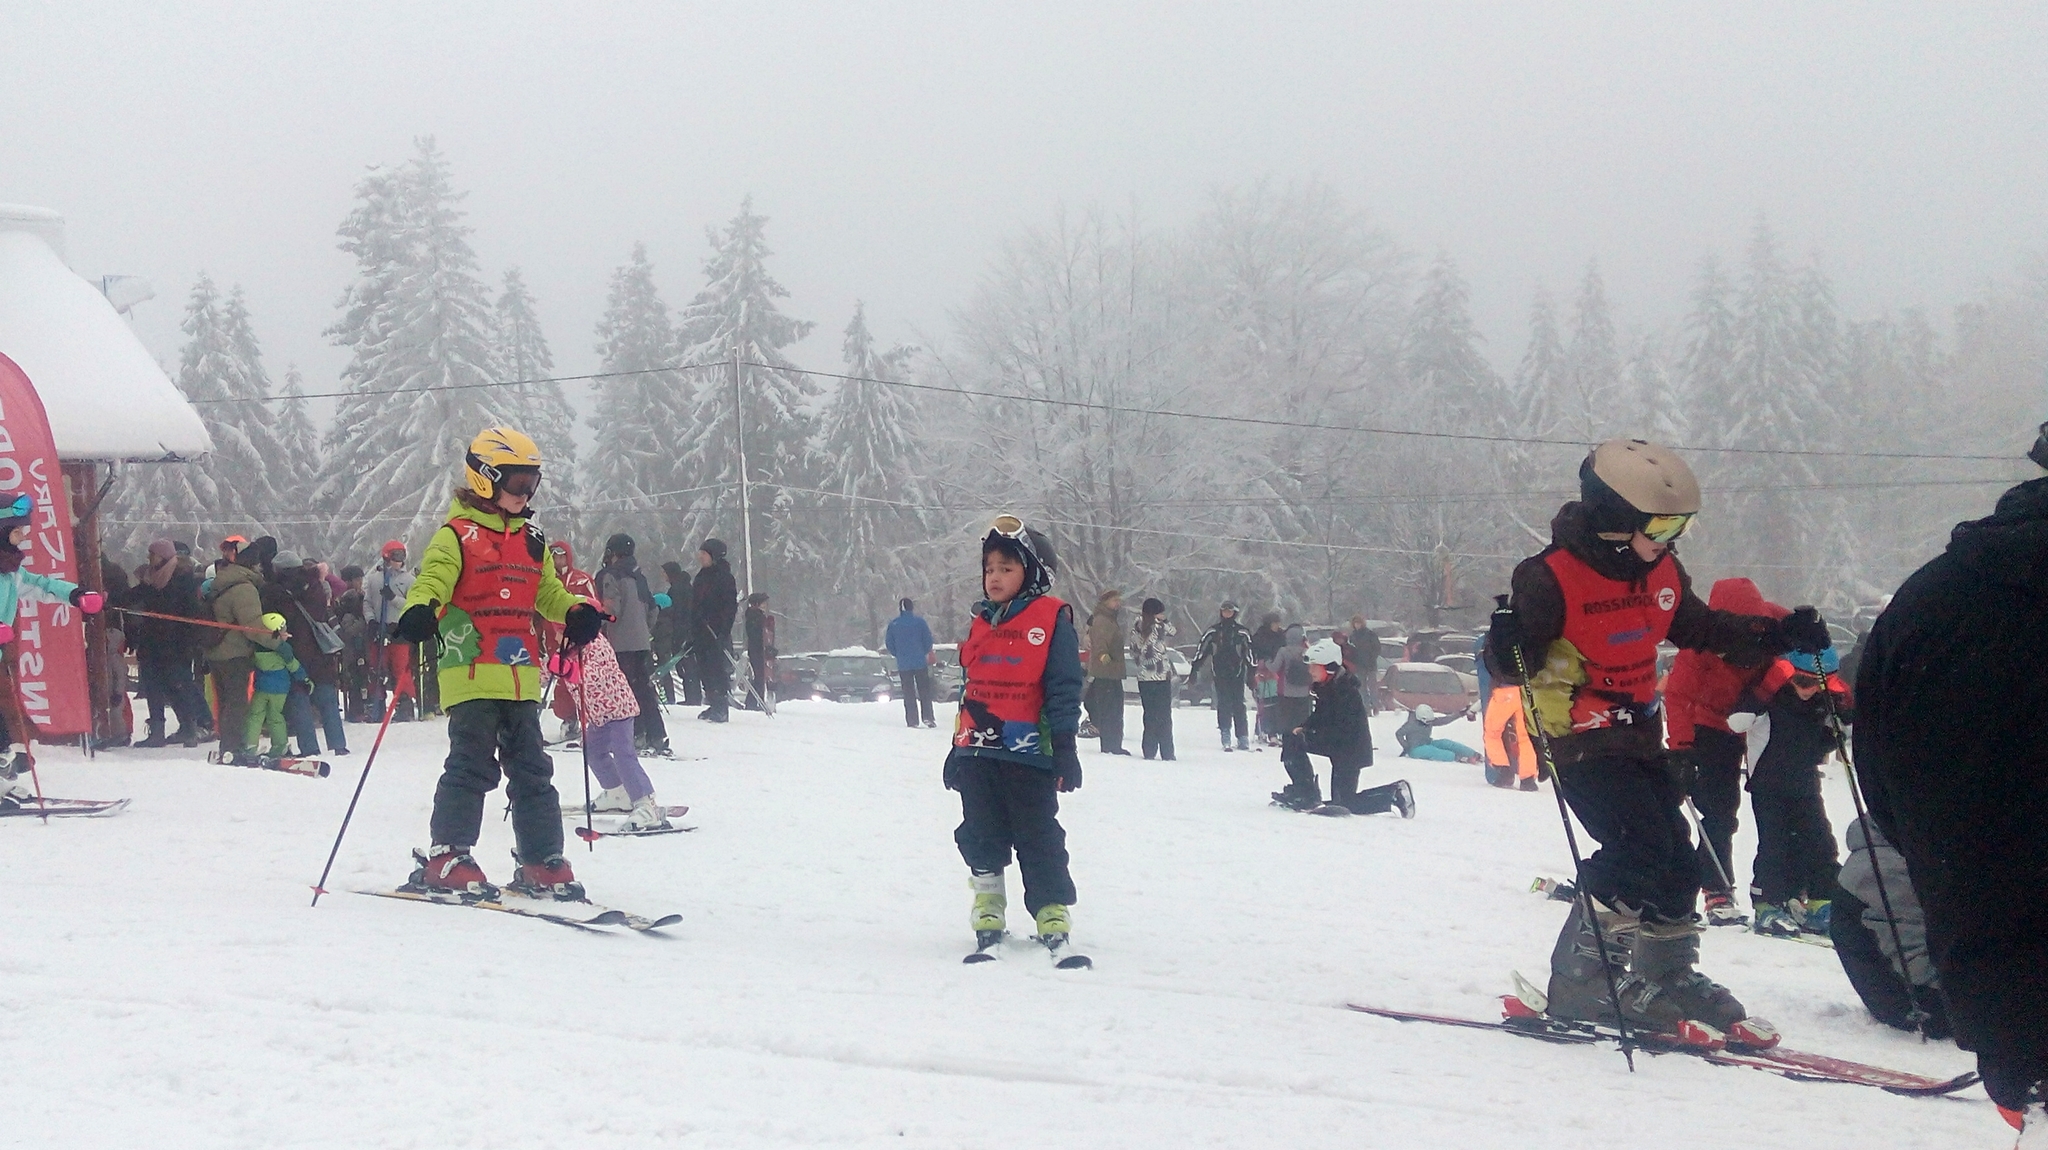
276	671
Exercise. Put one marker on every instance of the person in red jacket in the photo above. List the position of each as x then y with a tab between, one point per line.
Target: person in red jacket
1702	690
577	583
1584	623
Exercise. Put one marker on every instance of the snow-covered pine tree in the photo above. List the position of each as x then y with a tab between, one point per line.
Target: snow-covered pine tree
301	444
538	409
868	439
198	501
736	317
418	323
1706	369
1659	417
1592	364
642	420
1537	397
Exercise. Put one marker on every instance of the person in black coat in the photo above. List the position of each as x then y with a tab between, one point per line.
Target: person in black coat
672	639
714	601
1948	742
168	585
1336	729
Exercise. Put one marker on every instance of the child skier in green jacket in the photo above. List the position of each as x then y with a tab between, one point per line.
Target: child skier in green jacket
276	672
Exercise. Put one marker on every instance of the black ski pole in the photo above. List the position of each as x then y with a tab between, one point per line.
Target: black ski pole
320	888
1915	1015
1699	824
583	745
1587	905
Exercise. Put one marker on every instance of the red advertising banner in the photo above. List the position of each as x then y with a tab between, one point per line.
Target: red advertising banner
49	642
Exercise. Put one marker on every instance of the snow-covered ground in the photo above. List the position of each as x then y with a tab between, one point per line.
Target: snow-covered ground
165	984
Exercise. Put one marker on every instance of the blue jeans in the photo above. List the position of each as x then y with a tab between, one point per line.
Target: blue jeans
1443	751
298	717
327	700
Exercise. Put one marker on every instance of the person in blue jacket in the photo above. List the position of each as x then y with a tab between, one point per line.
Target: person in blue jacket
16	587
909	639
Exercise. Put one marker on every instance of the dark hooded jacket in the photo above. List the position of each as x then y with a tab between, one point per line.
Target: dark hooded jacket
160	640
1539	604
1337	727
1949	746
714	602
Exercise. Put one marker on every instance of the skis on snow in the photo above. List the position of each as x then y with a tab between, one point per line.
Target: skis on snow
591	835
74	808
666	812
587	916
988	946
312	768
1519	1018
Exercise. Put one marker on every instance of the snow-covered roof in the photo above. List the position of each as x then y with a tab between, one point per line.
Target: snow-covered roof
107	399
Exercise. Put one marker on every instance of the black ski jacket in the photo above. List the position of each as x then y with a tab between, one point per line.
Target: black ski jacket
714	602
1227	648
1954	765
1337	726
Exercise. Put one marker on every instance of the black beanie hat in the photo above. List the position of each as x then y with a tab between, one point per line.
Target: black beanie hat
905	604
1152	607
715	548
620	544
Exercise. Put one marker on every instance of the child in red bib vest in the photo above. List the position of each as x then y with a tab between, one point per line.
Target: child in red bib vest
1013	743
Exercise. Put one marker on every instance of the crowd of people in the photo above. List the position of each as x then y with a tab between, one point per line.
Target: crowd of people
1937	914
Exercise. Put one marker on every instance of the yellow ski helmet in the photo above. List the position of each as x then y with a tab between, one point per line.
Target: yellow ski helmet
496	454
274	621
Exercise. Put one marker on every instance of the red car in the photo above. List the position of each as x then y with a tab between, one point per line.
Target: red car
1406	686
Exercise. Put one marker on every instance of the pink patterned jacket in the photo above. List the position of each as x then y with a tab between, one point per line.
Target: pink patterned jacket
604	692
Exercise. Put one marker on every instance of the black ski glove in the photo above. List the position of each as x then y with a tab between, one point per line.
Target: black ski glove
418	624
1504	634
1066	762
951	775
1682	766
582	624
385	593
1803	630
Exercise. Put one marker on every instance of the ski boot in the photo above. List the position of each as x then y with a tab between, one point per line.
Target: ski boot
1226	741
1404	798
155	738
1814	915
450	870
1529	784
1243	743
988	916
1502	777
13	763
1054	925
647	815
610	801
1294	798
550	878
1775	920
1578	990
1665	953
1722	911
191	737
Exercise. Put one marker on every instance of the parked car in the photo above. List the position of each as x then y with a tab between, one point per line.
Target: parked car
1393	648
947	677
796	676
1406	686
854	675
1180	664
1467	667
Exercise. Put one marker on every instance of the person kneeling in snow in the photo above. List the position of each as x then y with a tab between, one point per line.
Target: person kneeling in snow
1335	728
606	708
1417	741
16	586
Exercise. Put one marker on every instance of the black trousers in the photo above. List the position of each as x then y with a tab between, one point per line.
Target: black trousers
1007	807
1105	700
487	737
169	683
1718	796
1156	700
1344	771
917	696
1230	707
1646	856
648	725
714	672
1795	846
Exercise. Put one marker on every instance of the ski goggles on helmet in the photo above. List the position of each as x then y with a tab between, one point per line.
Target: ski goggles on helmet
1665	528
523	481
1621	523
1008	526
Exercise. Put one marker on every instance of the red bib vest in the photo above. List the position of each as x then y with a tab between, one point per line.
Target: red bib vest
496	590
1003	706
1616	626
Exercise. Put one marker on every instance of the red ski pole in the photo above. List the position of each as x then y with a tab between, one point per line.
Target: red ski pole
320	888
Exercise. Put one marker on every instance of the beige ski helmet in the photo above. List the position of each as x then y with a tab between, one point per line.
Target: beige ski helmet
1641	476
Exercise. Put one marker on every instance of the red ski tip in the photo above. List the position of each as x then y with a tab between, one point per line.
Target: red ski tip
588	835
1754	1034
1512	1006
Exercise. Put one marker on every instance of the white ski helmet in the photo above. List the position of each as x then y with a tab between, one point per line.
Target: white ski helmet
1325	653
1425	712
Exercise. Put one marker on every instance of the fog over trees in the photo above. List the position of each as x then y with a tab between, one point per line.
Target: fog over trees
1271	399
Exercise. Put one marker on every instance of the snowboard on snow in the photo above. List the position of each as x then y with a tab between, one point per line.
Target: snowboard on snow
74	808
313	768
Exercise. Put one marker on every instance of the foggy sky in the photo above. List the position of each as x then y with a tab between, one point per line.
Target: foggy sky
895	145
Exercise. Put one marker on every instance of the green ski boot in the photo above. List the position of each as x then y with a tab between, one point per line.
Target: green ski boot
988	918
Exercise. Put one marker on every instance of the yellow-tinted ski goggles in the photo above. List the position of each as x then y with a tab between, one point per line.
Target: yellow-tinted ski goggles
1666	528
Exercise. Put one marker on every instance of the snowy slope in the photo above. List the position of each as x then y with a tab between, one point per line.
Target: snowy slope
165	983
